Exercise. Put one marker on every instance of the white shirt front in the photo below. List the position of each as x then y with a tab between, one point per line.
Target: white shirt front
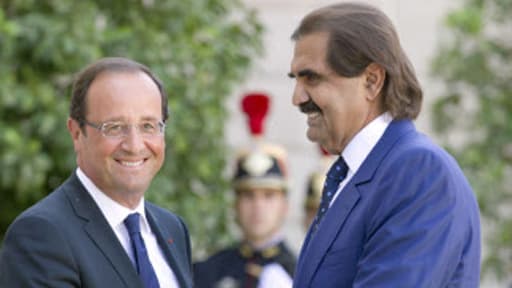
115	214
273	275
360	146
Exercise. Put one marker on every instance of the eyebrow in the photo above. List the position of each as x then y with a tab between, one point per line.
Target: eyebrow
303	73
150	118
123	119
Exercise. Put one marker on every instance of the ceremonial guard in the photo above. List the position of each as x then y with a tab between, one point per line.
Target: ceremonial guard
261	258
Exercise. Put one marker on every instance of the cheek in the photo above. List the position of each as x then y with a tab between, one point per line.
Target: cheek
95	159
333	123
96	148
106	149
278	208
157	148
242	210
340	114
156	145
161	148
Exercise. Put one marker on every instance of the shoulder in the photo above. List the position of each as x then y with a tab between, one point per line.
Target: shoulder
227	255
50	210
403	149
414	171
46	222
414	167
285	249
35	240
168	223
287	258
223	265
224	258
166	218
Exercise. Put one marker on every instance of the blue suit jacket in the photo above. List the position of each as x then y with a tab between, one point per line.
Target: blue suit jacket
65	241
408	218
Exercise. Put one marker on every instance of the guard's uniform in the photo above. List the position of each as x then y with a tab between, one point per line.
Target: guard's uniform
241	266
261	167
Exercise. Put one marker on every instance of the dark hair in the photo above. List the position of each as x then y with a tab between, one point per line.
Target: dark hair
359	35
84	79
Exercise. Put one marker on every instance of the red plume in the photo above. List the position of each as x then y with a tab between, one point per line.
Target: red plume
255	106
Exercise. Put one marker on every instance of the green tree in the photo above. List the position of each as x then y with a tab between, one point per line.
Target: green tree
475	114
199	48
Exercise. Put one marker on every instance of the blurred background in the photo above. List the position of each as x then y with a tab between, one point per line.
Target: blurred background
209	53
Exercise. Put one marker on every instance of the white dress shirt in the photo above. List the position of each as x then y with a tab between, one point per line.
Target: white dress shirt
115	214
360	146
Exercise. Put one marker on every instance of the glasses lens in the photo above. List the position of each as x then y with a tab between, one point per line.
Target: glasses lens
149	128
114	129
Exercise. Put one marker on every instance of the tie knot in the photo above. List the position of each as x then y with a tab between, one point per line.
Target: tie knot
132	223
338	170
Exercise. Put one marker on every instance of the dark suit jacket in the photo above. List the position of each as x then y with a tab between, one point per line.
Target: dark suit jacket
408	218
65	241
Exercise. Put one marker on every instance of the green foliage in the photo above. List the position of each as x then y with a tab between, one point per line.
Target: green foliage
199	48
475	65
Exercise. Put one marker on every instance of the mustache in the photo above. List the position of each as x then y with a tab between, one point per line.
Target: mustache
309	107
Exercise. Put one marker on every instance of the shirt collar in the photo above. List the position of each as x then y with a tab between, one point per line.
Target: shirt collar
114	212
363	142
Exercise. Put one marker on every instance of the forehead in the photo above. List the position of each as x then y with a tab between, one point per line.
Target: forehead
310	53
122	86
259	191
123	95
108	81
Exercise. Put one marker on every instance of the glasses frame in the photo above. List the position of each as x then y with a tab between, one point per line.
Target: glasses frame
101	128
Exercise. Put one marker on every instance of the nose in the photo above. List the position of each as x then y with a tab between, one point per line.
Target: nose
133	141
299	94
259	203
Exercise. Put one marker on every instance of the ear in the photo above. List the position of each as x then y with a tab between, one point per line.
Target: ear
375	76
75	131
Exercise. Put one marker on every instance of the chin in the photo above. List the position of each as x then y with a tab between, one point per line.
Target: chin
136	188
313	135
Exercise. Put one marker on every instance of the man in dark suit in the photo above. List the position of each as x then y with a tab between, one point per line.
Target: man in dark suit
96	229
396	210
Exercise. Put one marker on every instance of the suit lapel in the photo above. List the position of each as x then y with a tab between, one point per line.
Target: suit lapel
100	232
317	244
165	240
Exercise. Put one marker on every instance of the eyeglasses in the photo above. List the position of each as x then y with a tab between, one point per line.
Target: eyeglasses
115	129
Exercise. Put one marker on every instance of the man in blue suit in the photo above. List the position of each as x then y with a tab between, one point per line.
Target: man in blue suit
96	229
403	215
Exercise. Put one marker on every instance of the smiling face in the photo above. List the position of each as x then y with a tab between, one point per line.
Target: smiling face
122	168
337	107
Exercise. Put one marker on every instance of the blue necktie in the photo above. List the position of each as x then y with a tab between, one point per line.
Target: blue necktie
336	174
142	263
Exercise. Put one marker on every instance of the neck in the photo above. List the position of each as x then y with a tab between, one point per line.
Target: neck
263	243
130	201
